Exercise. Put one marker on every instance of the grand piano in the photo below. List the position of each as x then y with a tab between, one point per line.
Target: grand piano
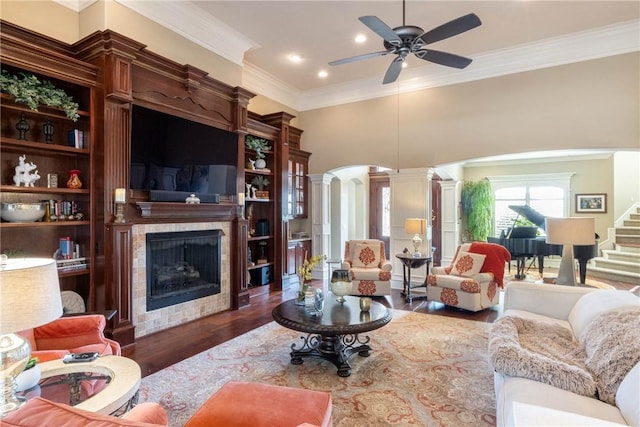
523	244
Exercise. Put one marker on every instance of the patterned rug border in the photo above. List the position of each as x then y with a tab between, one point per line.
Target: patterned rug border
424	370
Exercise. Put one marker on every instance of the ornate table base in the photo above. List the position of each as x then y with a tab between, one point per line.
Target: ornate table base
336	349
409	262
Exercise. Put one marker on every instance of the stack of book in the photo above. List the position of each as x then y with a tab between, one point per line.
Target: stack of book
72	264
76	138
68	249
61	210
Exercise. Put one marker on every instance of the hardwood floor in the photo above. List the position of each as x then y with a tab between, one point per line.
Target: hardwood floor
157	351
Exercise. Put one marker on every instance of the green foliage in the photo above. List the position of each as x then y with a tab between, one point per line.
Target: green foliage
28	89
260	145
305	270
14	253
31	363
477	209
260	182
523	222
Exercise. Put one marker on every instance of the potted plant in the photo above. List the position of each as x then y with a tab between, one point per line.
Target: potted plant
477	209
260	145
261	182
30	90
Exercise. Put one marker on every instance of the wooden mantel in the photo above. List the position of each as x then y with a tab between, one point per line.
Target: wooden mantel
182	211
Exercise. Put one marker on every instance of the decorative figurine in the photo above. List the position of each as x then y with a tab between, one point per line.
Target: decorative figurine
26	173
22	126
250	262
47	130
248	190
192	200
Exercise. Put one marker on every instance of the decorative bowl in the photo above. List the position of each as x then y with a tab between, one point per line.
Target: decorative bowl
22	212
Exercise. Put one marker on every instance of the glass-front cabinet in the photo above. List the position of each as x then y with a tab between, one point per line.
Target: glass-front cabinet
297	175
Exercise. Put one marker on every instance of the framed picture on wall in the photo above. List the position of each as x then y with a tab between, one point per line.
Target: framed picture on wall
591	203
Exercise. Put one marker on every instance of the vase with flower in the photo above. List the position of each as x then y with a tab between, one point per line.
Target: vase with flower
30	376
74	179
304	275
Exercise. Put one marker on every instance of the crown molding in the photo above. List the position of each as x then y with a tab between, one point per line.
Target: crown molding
192	23
212	34
259	81
76	5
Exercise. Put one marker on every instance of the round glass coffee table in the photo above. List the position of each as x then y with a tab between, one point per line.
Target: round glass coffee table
107	385
333	335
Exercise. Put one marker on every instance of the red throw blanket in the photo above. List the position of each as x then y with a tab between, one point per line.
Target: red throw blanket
497	255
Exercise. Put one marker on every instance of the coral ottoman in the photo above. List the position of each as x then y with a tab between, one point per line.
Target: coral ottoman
242	404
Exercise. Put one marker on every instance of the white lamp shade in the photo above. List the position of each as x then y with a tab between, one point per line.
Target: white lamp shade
415	226
29	294
570	231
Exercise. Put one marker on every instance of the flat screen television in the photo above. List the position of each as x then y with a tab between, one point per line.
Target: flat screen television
172	156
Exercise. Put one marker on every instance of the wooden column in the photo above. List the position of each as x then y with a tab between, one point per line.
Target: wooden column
118	243
239	271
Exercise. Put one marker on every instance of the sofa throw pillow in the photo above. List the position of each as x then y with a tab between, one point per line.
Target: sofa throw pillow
612	346
365	255
543	352
467	264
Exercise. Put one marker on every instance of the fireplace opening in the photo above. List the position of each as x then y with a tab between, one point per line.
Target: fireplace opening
182	266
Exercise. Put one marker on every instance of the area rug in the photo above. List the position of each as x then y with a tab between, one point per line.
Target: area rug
424	370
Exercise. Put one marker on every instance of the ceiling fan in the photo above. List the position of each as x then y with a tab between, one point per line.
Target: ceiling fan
402	41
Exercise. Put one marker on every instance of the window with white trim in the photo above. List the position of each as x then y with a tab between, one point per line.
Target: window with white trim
548	194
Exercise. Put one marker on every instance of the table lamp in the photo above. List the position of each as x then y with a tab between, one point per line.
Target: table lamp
569	232
29	297
416	226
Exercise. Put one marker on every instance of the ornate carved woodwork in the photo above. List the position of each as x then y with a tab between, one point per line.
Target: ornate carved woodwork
121	73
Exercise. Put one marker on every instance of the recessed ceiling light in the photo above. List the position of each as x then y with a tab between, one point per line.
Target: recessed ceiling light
323	74
405	64
295	58
361	38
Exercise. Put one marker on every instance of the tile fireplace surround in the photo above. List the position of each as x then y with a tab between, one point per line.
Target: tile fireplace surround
157	320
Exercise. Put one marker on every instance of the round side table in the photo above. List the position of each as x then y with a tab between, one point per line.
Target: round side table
118	395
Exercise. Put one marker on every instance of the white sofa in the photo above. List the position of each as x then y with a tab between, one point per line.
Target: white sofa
525	402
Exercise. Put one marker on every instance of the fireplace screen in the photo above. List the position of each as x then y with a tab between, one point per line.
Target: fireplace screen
182	266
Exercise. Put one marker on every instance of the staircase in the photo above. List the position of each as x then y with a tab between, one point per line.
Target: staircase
623	262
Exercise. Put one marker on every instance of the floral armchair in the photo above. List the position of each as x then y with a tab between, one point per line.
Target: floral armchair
369	269
472	280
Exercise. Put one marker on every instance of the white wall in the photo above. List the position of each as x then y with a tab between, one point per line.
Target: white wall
592	104
626	182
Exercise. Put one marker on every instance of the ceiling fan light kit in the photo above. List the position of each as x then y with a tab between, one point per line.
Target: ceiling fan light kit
410	39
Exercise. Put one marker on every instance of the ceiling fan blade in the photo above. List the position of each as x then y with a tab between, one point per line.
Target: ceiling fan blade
393	71
358	57
380	28
451	28
443	58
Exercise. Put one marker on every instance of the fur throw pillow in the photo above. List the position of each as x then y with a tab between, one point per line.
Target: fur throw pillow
611	346
539	351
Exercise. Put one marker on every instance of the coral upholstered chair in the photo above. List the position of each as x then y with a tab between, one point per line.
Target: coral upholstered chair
472	279
370	271
74	334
